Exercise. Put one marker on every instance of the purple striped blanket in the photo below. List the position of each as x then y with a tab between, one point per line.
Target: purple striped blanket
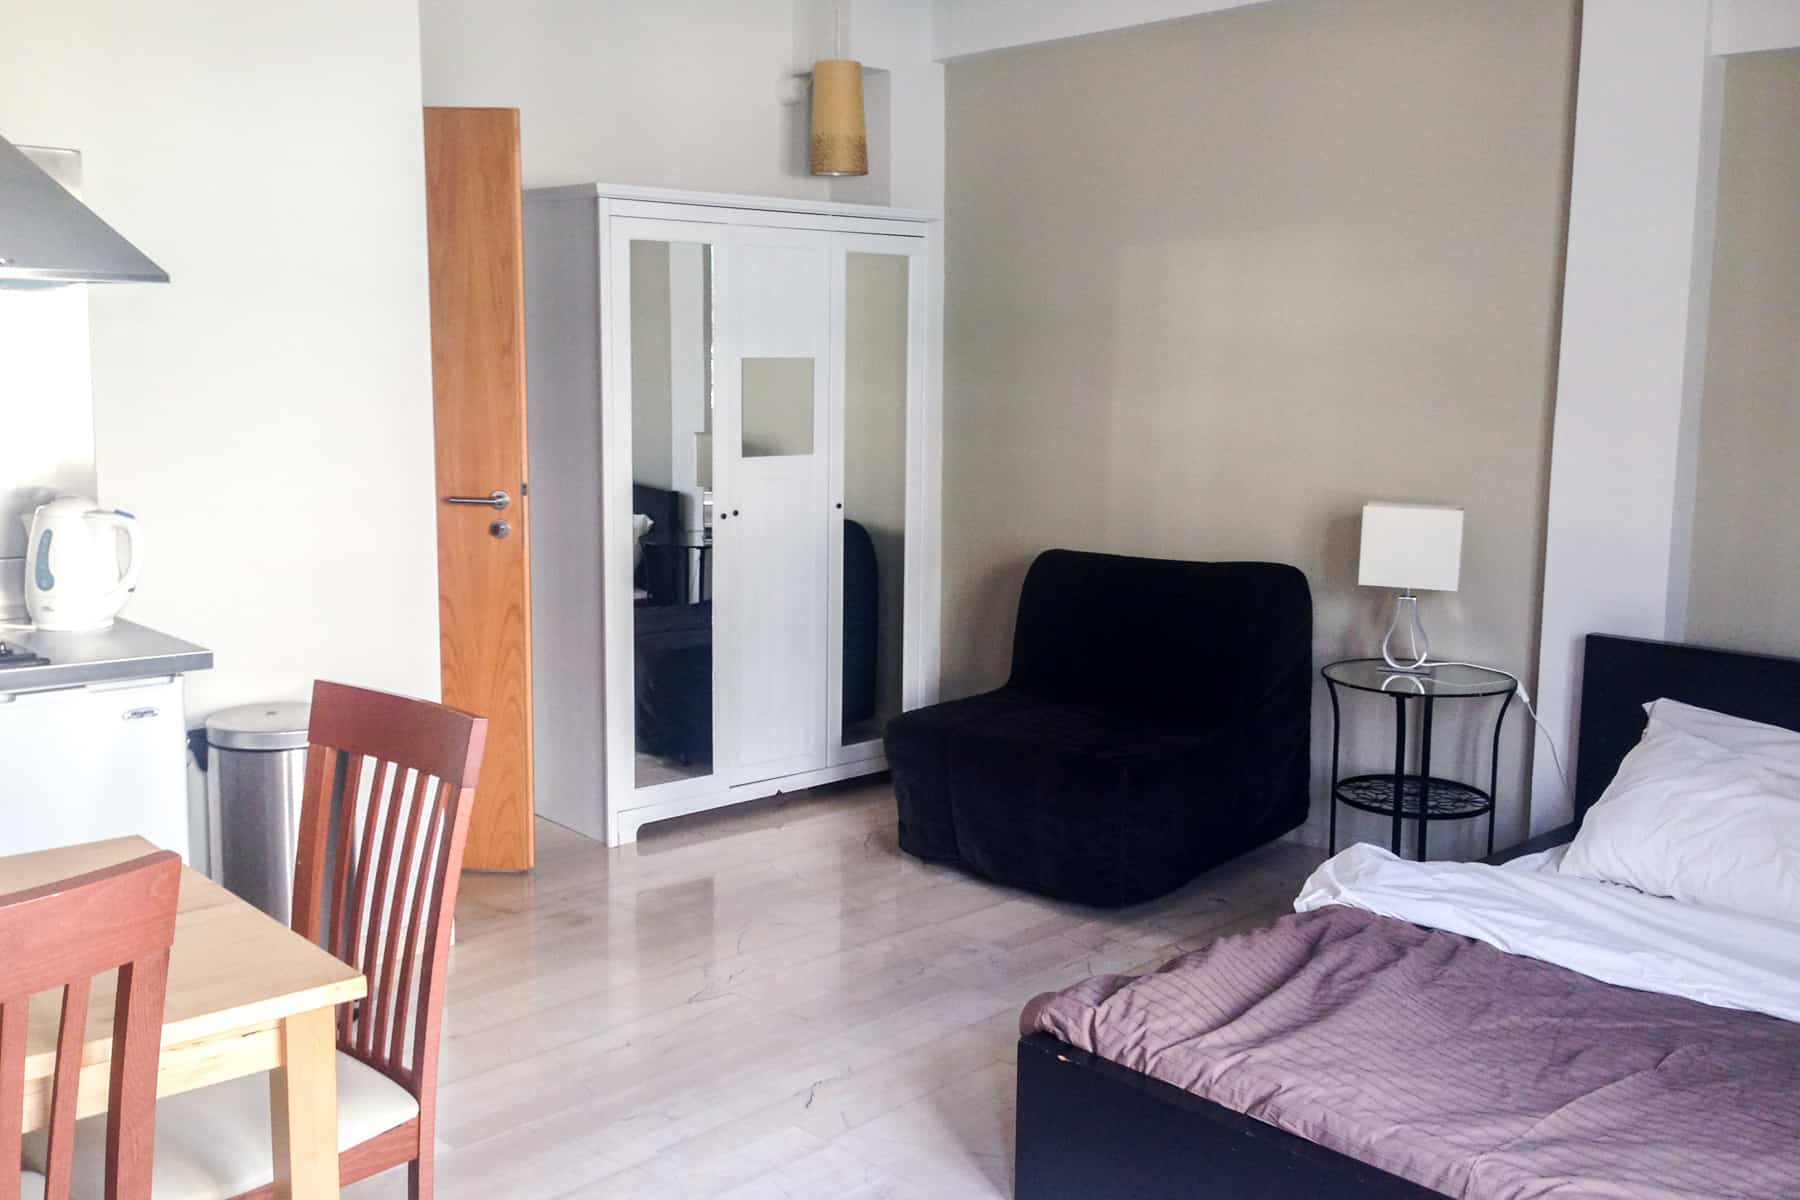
1455	1065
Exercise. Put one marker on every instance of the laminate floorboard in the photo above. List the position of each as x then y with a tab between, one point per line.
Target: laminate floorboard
768	1002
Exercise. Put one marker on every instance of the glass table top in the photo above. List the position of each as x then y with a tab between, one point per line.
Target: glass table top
1449	680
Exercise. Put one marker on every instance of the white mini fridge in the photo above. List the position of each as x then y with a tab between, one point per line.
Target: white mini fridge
100	761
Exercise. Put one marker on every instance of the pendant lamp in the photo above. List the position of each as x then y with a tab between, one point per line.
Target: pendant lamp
840	138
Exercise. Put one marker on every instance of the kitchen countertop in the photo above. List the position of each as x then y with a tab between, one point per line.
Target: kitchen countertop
126	651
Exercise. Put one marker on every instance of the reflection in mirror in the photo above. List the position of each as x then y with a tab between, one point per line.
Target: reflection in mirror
778	407
671	504
875	347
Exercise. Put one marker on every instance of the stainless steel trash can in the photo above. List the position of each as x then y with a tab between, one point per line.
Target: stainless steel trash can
255	774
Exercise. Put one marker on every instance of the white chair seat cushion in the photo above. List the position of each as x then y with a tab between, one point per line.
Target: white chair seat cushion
213	1143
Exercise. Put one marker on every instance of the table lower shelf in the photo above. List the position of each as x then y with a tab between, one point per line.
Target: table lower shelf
1447	799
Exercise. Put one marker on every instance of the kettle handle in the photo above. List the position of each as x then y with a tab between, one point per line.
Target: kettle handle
134	536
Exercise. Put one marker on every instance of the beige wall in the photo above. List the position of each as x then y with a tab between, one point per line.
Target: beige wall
1214	284
1745	585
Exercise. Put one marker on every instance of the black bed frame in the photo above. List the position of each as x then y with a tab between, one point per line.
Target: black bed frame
1089	1129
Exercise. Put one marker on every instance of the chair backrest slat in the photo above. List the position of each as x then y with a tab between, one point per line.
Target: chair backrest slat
447	879
391	1013
70	1036
418	914
58	937
378	936
346	790
137	1045
352	891
395	857
15	1019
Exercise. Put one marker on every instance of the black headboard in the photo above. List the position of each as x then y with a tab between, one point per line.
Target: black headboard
1622	675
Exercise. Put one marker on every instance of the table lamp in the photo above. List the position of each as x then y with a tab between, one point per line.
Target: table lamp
1415	548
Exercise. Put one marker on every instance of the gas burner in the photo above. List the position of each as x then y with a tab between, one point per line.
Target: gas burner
18	656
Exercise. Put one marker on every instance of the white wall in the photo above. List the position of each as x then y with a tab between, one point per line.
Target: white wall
678	93
1634	333
267	414
708	95
47	410
1632	338
907	161
1748	26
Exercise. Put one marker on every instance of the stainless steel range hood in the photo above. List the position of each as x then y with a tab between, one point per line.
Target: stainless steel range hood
49	236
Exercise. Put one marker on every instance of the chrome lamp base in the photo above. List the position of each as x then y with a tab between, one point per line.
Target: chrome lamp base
1406	611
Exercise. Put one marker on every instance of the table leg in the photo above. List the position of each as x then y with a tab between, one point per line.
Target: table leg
1332	799
1399	770
1494	770
303	1108
1424	776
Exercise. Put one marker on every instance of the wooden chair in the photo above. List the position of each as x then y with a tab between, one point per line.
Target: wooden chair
390	783
400	941
61	935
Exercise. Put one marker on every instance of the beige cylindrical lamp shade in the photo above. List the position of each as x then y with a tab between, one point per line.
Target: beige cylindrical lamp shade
840	138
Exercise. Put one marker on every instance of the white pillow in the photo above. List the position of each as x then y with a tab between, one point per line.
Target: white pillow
1688	818
1780	746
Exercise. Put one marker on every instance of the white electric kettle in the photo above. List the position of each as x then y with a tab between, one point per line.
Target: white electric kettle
73	579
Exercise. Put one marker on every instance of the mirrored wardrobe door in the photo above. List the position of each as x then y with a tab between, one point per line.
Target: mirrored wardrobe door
669	323
875	277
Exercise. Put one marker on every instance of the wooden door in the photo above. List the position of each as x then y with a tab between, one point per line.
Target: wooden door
776	390
474	224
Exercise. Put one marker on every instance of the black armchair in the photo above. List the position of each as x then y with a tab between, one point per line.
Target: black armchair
1157	723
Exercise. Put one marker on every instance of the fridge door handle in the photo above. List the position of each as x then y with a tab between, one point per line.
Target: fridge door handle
127	685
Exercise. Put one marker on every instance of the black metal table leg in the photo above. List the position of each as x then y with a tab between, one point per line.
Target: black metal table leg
1424	777
1331	689
1494	769
1399	770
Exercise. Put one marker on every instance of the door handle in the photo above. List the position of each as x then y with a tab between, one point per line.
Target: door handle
494	499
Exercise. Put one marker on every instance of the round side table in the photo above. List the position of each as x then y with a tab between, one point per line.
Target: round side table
1415	796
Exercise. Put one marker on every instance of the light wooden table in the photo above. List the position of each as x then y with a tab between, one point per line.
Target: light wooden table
246	994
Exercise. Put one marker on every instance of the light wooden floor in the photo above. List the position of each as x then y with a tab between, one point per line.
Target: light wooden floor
768	1002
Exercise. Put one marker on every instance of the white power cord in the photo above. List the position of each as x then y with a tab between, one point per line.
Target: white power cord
1530	709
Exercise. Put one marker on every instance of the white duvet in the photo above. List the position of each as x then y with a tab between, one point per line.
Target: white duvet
1605	931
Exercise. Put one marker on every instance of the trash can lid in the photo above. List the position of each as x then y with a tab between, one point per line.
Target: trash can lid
279	725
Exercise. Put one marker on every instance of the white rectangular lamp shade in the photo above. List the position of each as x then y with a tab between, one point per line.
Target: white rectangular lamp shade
1416	547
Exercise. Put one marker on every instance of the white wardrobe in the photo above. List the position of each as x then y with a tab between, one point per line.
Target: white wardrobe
734	480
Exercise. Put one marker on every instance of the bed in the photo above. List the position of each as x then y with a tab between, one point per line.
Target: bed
1093	1128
